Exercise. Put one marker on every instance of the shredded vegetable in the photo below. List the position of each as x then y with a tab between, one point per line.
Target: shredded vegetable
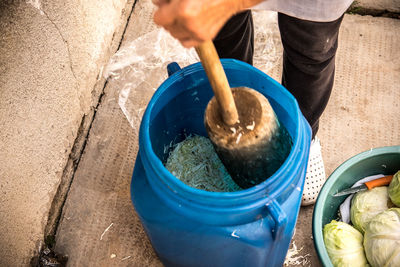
195	162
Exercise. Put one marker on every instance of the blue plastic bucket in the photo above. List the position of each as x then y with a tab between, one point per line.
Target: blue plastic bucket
191	227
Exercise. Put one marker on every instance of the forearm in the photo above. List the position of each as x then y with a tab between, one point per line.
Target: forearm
195	21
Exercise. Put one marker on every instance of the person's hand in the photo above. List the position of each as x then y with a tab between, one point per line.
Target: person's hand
195	21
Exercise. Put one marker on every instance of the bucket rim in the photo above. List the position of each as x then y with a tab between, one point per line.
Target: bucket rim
270	188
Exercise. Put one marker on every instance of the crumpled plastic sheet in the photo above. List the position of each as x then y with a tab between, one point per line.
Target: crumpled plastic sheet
139	68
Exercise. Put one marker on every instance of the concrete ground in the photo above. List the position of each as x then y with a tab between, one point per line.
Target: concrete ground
52	55
377	6
99	226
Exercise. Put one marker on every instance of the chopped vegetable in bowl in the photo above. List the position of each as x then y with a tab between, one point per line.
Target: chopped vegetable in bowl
382	239
373	222
394	189
367	204
344	244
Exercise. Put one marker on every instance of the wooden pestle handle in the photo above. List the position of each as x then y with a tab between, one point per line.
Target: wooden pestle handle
379	182
219	83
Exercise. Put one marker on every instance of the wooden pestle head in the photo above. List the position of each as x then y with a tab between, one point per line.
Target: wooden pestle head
253	148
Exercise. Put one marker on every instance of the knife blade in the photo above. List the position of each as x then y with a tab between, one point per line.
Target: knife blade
366	186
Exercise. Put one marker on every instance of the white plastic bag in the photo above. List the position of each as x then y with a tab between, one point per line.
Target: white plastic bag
140	67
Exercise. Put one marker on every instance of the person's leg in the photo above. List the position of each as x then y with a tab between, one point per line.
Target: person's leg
308	73
309	63
236	38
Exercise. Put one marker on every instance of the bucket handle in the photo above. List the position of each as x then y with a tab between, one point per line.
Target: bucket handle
172	68
279	217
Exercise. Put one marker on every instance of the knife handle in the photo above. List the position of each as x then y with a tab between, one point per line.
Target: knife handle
379	182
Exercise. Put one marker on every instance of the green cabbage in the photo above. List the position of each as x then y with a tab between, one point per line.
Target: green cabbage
394	189
382	239
367	204
344	245
195	162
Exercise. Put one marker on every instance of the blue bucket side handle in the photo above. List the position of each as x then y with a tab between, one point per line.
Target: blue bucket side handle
172	68
278	230
279	217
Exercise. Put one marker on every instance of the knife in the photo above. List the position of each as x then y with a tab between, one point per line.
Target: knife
366	186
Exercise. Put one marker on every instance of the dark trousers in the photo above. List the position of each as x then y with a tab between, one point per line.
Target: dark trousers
309	50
